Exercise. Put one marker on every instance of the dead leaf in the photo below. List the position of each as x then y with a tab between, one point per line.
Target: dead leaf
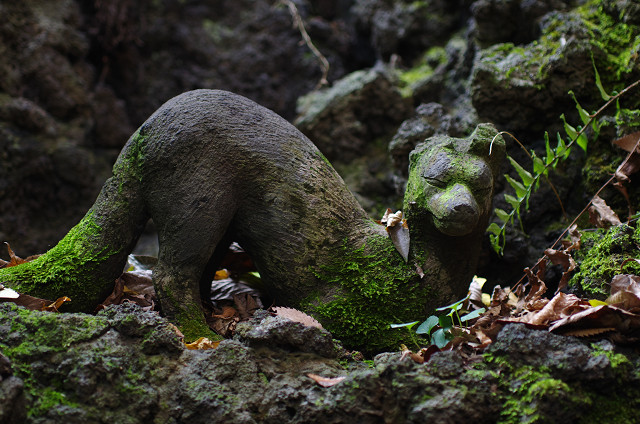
601	215
630	165
537	288
560	306
390	219
600	319
625	292
227	312
221	274
296	315
246	304
563	258
13	258
224	322
629	142
325	381
134	287
54	306
398	232
29	302
475	291
202	343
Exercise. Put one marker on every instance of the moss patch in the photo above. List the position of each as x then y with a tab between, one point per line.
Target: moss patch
69	267
600	258
374	288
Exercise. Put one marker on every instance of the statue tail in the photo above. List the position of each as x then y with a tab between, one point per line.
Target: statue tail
86	262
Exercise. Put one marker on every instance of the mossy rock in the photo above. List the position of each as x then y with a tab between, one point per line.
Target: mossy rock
601	256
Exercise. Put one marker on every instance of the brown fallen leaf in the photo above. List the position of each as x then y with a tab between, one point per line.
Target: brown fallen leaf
202	343
134	287
629	142
599	319
13	258
227	312
29	302
563	258
398	232
560	306
601	215
297	316
325	381
54	306
630	165
625	292
246	304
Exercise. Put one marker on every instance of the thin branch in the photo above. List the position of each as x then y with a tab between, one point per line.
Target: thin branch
299	23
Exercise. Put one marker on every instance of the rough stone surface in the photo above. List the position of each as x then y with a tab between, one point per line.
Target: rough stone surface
346	119
429	119
81	368
405	27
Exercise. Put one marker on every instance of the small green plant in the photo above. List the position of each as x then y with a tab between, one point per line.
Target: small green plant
443	324
529	181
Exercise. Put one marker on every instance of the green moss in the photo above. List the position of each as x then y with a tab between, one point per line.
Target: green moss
42	336
189	318
131	156
615	45
628	120
422	70
600	257
619	41
374	288
69	267
46	400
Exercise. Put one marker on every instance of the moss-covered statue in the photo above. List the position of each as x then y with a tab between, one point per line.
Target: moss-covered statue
211	167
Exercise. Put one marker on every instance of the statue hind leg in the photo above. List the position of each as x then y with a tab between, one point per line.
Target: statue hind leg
187	243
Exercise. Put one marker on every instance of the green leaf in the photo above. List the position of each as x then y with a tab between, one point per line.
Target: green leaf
427	326
521	191
515	203
454	306
539	167
525	175
603	93
445	321
406	324
584	115
494	239
472	315
550	155
502	216
562	150
494	228
439	338
573	134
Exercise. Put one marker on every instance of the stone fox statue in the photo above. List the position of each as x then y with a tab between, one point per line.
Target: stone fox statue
211	167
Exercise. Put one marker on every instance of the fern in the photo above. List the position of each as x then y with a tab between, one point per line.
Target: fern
528	182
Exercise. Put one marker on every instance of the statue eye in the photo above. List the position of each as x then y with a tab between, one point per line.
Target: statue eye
436	182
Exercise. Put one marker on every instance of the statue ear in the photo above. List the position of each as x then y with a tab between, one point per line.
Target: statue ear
486	143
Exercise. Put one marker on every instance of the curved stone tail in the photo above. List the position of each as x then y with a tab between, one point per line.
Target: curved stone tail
86	262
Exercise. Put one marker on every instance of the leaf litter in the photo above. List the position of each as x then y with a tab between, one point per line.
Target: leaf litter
617	318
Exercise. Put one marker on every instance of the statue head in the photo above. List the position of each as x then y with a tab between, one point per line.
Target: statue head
451	180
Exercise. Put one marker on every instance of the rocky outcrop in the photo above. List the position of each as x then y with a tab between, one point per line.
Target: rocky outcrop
127	365
348	118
